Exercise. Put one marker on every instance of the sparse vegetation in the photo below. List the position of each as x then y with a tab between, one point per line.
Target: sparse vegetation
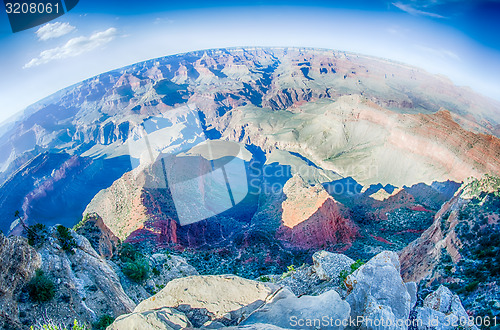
81	222
289	272
41	288
67	241
134	264
346	272
156	271
37	234
129	253
103	322
137	270
50	325
264	278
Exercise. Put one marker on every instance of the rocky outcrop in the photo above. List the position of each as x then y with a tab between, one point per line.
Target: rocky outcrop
443	310
99	235
18	262
326	311
421	257
328	265
164	268
312	218
376	295
158	319
218	295
86	286
377	292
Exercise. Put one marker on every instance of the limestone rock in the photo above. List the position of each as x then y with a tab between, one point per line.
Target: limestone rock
159	319
441	309
226	298
378	284
169	267
301	281
328	265
326	311
18	262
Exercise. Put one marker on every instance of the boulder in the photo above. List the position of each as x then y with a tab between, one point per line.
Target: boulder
326	311
379	317
442	310
168	267
225	298
377	285
159	319
301	281
328	265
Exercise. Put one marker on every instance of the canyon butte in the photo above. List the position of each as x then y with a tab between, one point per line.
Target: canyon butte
313	157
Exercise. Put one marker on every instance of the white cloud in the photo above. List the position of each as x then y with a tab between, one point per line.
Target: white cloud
414	11
73	47
54	30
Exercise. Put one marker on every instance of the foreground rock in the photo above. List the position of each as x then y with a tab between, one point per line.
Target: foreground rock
18	262
443	310
223	298
328	265
159	319
377	292
322	276
326	311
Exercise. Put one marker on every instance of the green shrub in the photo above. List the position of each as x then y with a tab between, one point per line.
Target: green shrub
137	270
41	288
289	272
67	241
264	278
128	253
37	234
104	322
346	272
50	325
471	286
156	271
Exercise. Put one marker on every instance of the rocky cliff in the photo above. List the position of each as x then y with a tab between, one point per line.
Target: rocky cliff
18	264
460	248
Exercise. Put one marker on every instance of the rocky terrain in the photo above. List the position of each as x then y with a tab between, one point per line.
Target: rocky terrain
460	249
333	293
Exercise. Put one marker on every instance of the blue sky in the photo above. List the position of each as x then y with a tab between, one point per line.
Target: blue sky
458	39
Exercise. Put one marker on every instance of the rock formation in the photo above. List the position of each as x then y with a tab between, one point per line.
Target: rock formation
18	262
87	287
